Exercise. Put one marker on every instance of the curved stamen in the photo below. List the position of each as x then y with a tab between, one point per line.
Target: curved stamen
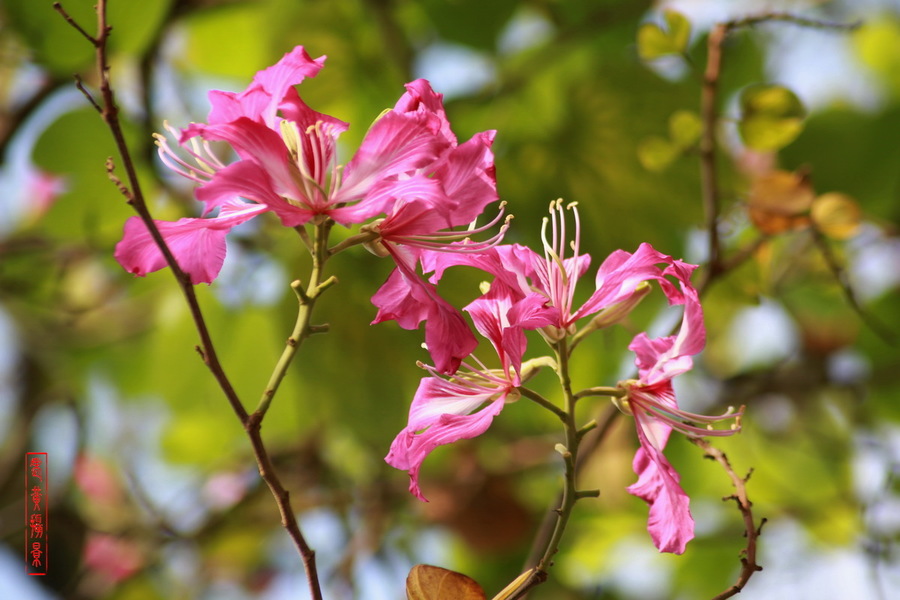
678	419
558	273
443	241
204	165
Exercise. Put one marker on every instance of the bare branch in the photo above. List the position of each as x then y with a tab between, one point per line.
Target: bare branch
132	191
752	531
95	41
840	275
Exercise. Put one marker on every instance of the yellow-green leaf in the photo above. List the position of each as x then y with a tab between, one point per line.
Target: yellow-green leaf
836	215
654	42
656	153
771	116
434	583
685	128
878	44
679	29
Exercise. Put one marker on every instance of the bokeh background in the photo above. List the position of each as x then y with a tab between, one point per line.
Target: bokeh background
153	489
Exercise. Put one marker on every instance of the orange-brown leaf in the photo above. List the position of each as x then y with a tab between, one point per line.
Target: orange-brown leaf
426	582
780	201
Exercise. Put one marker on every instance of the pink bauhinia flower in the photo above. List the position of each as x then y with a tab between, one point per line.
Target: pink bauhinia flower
287	165
620	282
464	405
651	400
427	215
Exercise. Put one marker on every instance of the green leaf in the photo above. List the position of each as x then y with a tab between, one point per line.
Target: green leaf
57	45
654	42
878	45
200	437
771	117
227	42
474	23
685	128
656	153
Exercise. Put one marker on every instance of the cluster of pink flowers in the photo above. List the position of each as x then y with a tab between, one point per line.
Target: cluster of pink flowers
412	187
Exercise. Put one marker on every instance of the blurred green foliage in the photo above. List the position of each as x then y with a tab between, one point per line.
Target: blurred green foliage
594	102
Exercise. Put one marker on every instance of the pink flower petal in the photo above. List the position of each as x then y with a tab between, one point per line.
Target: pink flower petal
395	144
415	205
420	97
197	244
670	523
439	415
467	175
409	300
261	99
254	143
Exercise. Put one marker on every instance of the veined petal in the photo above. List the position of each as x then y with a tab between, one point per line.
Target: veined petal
408	299
246	179
395	144
512	265
197	244
413	444
468	177
421	97
231	106
261	99
436	397
256	143
242	179
291	70
670	523
396	300
621	273
415	205
663	358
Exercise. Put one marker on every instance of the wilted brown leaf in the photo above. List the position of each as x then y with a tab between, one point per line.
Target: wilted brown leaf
426	582
780	201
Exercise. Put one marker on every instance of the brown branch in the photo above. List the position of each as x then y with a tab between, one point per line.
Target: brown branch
752	531
794	19
110	114
710	194
709	189
96	42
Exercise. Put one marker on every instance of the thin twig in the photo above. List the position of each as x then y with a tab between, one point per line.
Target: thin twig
752	531
840	275
96	42
794	19
709	188
79	85
134	196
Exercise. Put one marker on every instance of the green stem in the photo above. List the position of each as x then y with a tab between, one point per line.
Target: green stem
353	240
532	395
570	493
302	327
